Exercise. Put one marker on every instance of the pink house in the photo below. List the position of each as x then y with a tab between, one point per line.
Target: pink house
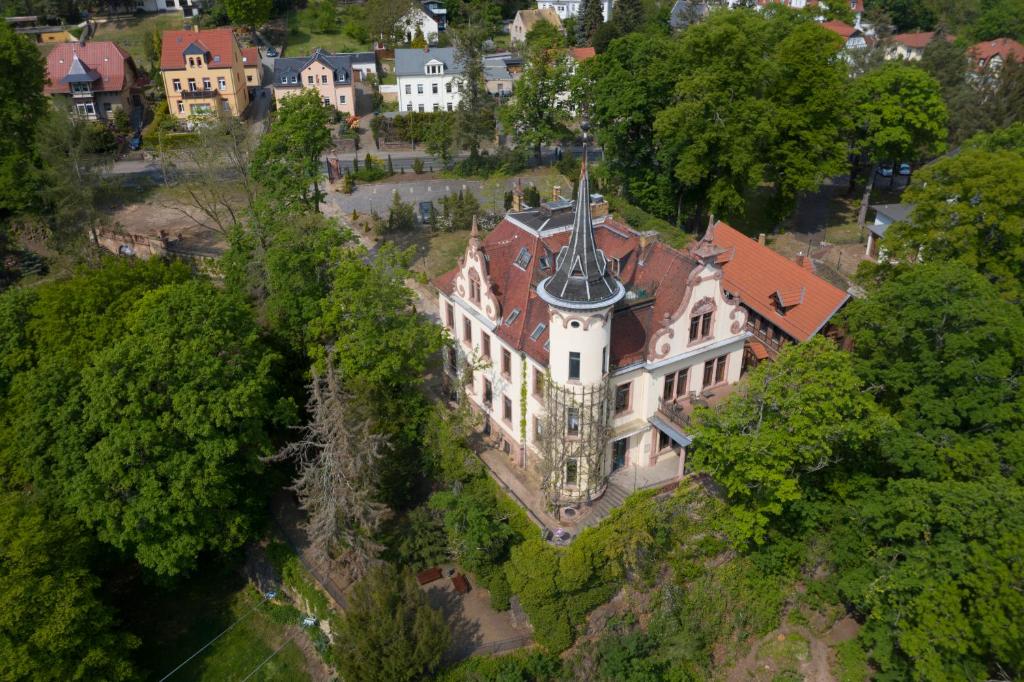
337	77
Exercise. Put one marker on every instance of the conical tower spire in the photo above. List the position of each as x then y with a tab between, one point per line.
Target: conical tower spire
581	279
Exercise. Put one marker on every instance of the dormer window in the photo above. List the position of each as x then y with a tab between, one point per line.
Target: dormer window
434	68
474	290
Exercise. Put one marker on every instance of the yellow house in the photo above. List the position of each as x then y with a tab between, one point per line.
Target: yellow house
203	72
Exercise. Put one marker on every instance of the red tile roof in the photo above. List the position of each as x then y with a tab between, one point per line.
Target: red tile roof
109	60
219	42
582	54
658	285
763	279
1003	47
251	56
919	39
839	27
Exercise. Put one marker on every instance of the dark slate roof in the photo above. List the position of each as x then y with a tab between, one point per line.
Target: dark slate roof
195	48
80	73
686	11
286	67
581	278
413	62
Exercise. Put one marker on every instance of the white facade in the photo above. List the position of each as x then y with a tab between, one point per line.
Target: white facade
427	83
508	383
418	19
571	8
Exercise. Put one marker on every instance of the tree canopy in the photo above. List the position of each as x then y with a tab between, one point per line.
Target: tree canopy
22	104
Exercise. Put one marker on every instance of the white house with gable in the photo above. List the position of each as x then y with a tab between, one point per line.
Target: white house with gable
571	8
587	344
429	79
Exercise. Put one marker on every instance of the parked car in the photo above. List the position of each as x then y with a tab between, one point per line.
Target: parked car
271	51
904	169
885	170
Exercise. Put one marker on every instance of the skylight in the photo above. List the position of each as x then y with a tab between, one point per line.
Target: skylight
523	259
512	316
545	262
537	331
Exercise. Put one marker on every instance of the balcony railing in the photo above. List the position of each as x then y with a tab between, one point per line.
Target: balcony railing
680	410
82	94
200	94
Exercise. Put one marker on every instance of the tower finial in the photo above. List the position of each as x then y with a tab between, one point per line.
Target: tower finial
474	231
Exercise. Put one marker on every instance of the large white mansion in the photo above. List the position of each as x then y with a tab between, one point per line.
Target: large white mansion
587	343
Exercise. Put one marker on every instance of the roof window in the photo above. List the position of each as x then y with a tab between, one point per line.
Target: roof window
538	331
512	316
523	259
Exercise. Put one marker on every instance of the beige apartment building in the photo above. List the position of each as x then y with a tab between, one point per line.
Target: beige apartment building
203	72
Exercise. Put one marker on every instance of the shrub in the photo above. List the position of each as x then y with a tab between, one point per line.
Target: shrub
417	166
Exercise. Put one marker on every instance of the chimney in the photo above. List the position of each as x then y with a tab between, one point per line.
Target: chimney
805	262
195	27
556	193
599	209
647	240
761	237
517	196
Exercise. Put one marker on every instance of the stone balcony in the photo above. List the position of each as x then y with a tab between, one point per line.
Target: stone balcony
680	410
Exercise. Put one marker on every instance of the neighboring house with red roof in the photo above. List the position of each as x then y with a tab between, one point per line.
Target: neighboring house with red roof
785	300
203	72
587	344
94	79
910	46
992	54
252	66
854	37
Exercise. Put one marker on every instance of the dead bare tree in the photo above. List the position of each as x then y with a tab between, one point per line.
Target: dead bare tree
338	458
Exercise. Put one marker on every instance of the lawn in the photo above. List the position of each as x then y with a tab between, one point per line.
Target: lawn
303	39
173	623
131	32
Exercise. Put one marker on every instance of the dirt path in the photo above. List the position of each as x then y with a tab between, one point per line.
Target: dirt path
816	666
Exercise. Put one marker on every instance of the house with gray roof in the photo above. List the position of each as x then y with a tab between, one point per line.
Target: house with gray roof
338	77
885	215
429	79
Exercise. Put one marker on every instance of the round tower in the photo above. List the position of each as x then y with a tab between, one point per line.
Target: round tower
581	295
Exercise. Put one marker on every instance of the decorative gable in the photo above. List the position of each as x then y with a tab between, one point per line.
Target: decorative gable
473	282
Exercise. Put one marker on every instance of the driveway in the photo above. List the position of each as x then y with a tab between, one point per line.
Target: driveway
377	196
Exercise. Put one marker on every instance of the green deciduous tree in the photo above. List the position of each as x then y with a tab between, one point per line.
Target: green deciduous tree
789	419
176	413
944	353
249	13
627	86
440	137
22	104
935	569
478	534
52	625
401	216
544	36
628	15
533	114
381	348
969	208
389	633
898	114
287	161
764	98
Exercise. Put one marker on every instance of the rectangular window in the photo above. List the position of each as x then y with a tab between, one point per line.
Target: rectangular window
408	89
176	84
323	79
206	84
709	372
191	84
572	421
604	359
572	471
664	442
467	330
181	107
538	382
420	108
705	325
574	366
694	326
453	364
309	79
506	409
669	390
341	99
327	101
433	88
506	362
437	107
106	107
720	369
622	398
248	79
419	88
700	326
538	429
474	290
448	86
681	377
222	84
488	392
450	312
450	106
408	107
